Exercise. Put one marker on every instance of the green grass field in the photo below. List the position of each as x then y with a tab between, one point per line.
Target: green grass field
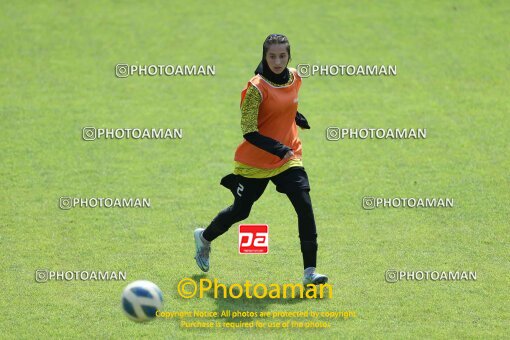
57	60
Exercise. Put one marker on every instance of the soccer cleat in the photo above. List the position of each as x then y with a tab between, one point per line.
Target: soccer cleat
315	279
202	250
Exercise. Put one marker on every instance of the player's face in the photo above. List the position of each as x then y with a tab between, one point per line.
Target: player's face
277	58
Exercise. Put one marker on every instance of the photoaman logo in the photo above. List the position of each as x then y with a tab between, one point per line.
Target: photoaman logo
189	288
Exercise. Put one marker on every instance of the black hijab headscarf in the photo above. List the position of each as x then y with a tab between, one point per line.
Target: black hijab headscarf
263	68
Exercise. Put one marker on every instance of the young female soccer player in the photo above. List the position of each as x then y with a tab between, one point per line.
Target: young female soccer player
271	151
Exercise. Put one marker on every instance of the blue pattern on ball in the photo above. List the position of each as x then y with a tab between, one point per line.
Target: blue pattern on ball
149	311
128	307
140	292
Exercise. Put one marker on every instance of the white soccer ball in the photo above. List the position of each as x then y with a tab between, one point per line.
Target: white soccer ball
141	299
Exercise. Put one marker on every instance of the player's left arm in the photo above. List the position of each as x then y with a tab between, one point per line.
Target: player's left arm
301	121
300	118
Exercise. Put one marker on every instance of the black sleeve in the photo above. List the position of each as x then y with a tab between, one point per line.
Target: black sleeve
301	121
267	144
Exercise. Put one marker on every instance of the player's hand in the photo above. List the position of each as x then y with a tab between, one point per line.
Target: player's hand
289	154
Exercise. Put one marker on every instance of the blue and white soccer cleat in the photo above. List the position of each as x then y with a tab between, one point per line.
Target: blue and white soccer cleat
202	250
314	279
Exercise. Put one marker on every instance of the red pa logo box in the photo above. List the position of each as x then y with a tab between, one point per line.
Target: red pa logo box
253	239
